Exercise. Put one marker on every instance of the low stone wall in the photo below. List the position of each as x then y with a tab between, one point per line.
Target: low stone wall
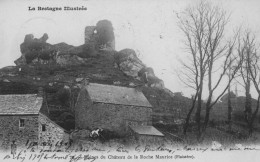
117	117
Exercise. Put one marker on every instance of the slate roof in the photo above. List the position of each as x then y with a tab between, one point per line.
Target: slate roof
146	130
116	95
20	104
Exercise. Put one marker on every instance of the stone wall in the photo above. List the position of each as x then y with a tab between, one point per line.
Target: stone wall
10	130
53	133
90	35
81	109
109	116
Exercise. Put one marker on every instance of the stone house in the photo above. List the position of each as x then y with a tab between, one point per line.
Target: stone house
22	120
111	107
146	135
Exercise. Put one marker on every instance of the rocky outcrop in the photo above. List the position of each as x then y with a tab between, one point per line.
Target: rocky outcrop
69	55
62	47
155	82
127	61
33	48
147	75
69	60
38	51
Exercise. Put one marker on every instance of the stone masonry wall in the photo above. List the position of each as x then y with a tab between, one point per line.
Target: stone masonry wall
53	133
10	131
82	103
117	117
89	34
109	116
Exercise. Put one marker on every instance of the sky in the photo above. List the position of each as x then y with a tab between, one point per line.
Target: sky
147	26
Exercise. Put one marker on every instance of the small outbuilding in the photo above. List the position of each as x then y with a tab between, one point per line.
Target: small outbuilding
111	107
146	135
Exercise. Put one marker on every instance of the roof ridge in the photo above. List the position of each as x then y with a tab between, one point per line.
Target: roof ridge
116	95
20	104
33	94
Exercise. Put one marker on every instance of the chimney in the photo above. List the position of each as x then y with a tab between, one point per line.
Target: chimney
40	92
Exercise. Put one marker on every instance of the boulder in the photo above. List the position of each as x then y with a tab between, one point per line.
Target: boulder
149	71
6	80
147	75
131	84
116	82
79	79
128	62
154	82
69	60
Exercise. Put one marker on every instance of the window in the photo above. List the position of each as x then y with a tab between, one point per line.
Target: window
43	127
21	123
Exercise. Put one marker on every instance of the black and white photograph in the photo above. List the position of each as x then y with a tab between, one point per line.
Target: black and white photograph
129	80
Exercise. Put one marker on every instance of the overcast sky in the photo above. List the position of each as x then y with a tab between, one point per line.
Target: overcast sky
148	26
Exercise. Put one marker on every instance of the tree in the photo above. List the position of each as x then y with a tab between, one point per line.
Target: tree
204	28
229	99
245	75
250	73
230	66
187	120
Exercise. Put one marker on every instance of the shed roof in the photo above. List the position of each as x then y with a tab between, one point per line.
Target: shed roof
116	95
146	130
20	104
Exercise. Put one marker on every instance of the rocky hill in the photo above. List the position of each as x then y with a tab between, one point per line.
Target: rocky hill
60	70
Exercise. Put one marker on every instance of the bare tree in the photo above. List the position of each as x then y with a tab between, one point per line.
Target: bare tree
187	120
245	75
231	65
193	26
250	72
229	99
203	26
